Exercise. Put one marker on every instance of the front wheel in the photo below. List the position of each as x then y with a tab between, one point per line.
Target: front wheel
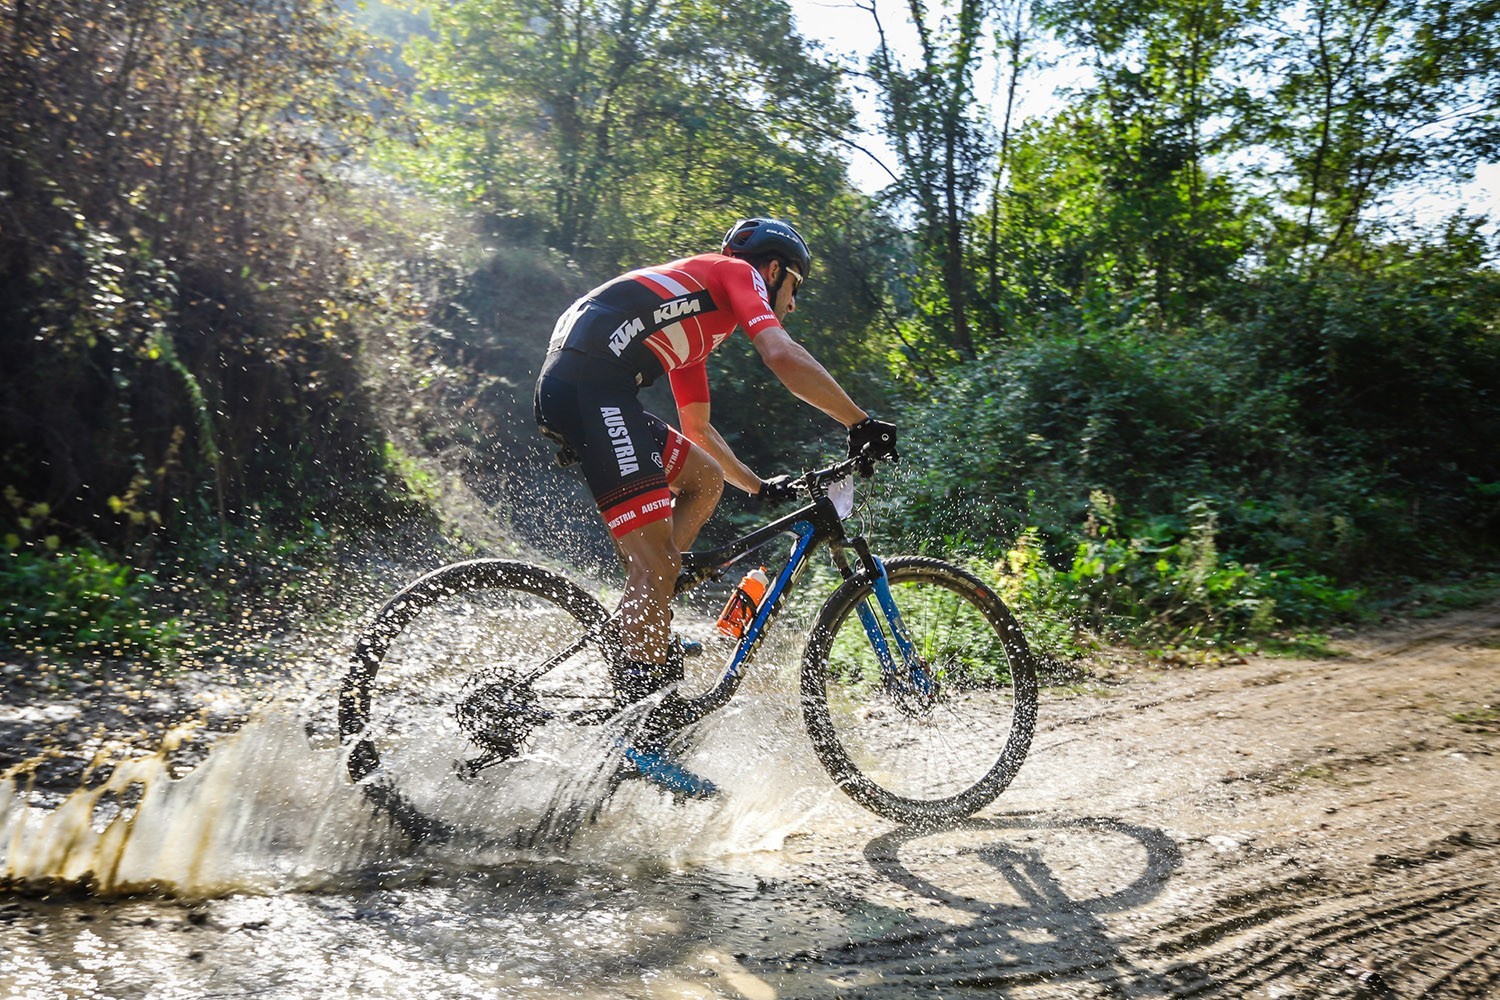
928	722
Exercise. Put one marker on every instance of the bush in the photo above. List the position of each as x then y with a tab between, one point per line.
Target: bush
1315	438
78	603
1163	580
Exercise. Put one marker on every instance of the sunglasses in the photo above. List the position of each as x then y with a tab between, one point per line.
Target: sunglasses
796	277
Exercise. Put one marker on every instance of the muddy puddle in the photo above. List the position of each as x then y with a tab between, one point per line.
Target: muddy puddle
1268	829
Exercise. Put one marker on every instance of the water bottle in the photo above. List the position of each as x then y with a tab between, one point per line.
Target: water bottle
743	603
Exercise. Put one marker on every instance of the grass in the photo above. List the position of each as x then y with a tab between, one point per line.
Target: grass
1301	646
1484	718
1433	598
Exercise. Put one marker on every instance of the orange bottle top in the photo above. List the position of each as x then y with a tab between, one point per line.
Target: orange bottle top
743	603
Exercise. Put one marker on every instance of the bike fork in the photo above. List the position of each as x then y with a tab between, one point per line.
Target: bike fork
911	675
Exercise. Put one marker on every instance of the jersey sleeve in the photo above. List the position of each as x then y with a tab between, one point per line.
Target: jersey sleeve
689	384
746	292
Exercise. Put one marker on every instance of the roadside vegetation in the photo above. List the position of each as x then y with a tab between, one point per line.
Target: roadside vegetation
1170	363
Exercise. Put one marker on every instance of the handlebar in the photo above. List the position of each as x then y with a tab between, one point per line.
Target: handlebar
815	483
700	566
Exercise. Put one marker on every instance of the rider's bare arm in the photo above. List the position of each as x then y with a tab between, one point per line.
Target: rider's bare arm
697	429
808	380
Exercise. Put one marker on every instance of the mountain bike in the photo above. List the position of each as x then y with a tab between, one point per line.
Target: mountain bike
917	687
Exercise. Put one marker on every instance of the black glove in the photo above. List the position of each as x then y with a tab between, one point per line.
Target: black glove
872	439
777	489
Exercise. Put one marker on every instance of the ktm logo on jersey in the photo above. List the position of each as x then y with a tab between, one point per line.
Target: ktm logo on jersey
667	312
624	334
663	315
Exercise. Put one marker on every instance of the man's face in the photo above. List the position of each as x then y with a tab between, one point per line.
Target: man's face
786	296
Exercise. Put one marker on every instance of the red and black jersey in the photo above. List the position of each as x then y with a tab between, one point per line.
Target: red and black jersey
668	319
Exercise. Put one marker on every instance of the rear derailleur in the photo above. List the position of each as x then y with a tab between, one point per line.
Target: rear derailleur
496	715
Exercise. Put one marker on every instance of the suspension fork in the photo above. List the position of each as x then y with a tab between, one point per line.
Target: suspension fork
911	675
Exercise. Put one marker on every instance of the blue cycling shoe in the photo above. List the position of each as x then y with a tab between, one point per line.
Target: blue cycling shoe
668	774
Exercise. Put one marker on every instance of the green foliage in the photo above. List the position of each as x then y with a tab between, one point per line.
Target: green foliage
80	603
1390	368
180	324
1115	199
1109	216
1163	580
1366	98
1315	442
622	130
416	480
942	146
1178	370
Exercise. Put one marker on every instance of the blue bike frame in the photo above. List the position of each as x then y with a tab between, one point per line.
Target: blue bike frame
816	524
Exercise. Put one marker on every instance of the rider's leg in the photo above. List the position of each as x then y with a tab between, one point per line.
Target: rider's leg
652	562
697	487
697	484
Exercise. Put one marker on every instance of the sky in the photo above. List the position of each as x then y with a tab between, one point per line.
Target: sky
847	30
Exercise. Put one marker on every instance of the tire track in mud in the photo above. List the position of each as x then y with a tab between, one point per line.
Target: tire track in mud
1316	939
1312	829
1422	925
1367	911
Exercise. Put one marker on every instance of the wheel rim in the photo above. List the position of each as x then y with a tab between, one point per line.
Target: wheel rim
933	755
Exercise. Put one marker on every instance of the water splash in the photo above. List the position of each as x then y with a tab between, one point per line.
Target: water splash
262	812
271	809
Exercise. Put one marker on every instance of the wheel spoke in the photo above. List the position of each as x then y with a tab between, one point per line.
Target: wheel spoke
448	679
938	744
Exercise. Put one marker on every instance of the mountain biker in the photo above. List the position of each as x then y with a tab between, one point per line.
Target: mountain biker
655	487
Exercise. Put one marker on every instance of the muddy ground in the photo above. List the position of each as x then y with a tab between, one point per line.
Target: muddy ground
1268	828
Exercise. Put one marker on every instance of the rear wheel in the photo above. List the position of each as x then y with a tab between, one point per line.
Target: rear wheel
931	744
449	679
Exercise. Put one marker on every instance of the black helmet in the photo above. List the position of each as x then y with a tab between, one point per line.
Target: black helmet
756	237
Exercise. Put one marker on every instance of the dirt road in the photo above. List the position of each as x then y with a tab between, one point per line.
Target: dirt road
1272	828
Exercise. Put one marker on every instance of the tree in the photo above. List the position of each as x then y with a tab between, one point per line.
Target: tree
944	149
1014	39
629	128
170	314
1122	198
1367	97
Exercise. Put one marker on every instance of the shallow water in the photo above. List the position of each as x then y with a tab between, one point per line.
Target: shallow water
268	874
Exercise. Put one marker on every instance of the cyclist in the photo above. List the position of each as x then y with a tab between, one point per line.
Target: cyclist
655	486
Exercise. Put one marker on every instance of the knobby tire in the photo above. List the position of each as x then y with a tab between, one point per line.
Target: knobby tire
484	618
915	760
